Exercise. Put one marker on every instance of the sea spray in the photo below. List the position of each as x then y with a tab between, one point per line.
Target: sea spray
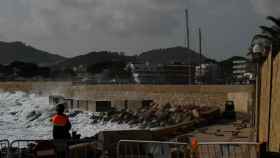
27	116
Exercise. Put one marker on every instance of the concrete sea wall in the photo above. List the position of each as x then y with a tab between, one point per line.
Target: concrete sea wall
208	95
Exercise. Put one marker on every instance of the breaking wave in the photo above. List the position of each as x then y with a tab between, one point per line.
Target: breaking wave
27	116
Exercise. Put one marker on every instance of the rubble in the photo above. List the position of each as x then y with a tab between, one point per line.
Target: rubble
159	116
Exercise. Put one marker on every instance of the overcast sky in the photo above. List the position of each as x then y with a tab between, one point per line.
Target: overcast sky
73	27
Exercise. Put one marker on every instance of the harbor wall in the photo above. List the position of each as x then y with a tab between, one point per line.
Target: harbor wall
208	95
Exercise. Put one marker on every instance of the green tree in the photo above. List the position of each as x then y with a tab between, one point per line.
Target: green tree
272	33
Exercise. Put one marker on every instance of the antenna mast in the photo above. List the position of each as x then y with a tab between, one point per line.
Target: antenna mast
187	29
187	42
200	54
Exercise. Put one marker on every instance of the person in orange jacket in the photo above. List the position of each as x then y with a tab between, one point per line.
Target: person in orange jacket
61	123
194	145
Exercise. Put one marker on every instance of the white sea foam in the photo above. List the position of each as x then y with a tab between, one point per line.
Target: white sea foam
27	116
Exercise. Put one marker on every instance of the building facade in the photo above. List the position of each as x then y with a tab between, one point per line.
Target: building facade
178	73
242	72
146	73
208	73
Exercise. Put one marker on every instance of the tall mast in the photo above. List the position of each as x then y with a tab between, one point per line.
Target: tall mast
200	54
187	42
187	29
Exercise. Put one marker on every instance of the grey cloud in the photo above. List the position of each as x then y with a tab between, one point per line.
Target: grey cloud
267	7
70	27
2	37
122	17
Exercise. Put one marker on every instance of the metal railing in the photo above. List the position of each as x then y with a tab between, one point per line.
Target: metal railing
154	149
4	148
87	148
84	148
23	148
151	149
228	150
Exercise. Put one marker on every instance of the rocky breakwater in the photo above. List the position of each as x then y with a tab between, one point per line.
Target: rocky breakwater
168	120
152	123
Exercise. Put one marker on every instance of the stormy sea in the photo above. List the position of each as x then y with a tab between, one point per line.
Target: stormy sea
27	116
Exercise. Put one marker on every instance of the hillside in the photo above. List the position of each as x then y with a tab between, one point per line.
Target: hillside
171	55
157	56
18	51
93	58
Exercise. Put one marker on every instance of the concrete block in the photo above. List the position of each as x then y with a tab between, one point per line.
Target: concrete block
103	106
134	105
119	104
83	105
241	101
91	106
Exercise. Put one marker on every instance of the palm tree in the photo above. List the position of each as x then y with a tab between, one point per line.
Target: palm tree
271	33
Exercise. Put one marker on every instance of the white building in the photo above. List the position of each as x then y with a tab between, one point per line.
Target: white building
240	70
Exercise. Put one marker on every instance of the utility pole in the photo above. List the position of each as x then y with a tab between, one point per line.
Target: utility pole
187	29
187	42
200	54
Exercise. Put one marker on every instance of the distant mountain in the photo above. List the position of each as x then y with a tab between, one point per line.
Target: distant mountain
157	56
93	58
18	51
172	55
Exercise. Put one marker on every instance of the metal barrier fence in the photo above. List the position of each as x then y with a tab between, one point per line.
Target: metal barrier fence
229	150
84	148
87	148
23	148
4	148
154	149
151	149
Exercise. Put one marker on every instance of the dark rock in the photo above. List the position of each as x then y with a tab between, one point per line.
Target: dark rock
162	124
13	113
167	106
195	113
31	114
163	116
35	116
94	121
154	124
187	118
74	113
